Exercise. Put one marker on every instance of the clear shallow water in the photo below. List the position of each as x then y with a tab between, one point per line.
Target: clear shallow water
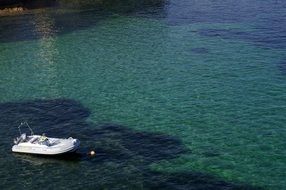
183	94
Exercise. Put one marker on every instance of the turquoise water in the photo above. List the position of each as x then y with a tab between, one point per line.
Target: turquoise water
177	95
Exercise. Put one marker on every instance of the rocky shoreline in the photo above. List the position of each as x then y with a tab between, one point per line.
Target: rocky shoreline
12	7
8	7
12	11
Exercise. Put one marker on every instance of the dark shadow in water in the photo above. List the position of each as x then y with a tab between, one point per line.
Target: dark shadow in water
200	50
267	23
68	16
265	38
123	155
282	66
190	180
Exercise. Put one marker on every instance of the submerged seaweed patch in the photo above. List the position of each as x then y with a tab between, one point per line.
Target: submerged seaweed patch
200	50
261	38
123	155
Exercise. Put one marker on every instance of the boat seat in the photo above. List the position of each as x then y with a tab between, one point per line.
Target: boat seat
34	139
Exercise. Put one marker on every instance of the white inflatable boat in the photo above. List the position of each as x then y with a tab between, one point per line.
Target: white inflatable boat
40	144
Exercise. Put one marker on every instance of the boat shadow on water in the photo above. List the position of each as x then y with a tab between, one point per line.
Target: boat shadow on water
123	156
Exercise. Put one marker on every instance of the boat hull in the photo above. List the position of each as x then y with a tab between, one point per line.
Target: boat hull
65	146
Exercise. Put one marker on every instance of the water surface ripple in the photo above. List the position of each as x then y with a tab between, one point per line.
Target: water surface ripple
177	94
